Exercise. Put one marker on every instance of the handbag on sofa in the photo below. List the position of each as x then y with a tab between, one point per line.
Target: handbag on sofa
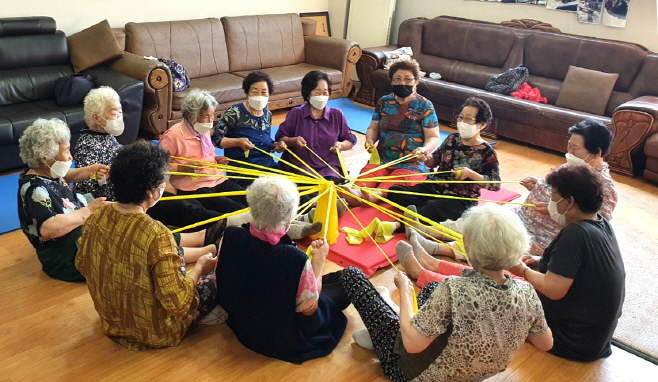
178	74
509	81
71	90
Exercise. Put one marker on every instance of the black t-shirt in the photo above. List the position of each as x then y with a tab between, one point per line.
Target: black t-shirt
585	318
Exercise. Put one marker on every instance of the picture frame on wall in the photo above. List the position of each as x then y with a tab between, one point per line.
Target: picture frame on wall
322	18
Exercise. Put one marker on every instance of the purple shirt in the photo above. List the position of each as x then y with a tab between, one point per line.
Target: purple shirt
320	135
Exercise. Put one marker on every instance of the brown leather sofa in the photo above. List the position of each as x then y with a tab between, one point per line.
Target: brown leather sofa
218	53
468	53
651	150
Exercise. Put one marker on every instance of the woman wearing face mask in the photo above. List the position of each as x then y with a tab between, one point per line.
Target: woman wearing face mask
323	129
249	124
50	211
589	143
463	156
190	139
580	277
135	273
403	122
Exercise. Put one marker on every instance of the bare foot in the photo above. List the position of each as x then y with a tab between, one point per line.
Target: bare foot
351	198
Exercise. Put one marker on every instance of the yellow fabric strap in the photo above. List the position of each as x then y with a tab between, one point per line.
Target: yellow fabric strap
377	178
391	163
308	204
228	215
323	161
292	165
374	158
342	163
444	196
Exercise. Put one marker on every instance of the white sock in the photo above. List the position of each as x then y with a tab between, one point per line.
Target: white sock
386	296
430	246
362	338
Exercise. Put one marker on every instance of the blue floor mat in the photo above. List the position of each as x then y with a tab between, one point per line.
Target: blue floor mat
8	203
358	117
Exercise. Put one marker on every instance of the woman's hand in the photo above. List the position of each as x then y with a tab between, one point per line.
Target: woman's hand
529	182
370	145
97	203
298	142
336	147
221	160
279	146
402	282
518	269
531	261
206	263
462	173
542	208
186	168
245	144
97	171
320	249
422	154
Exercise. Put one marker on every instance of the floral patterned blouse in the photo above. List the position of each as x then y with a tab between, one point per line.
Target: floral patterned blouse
541	228
401	128
39	199
480	158
95	147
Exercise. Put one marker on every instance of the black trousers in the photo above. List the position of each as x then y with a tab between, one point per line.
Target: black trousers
180	213
221	204
436	209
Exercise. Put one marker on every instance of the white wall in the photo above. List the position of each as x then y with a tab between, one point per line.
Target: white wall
338	10
75	15
641	23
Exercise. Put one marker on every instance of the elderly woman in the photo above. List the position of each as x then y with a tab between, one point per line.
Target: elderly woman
460	332
135	273
403	122
580	279
249	124
589	143
315	125
50	211
462	156
190	139
277	300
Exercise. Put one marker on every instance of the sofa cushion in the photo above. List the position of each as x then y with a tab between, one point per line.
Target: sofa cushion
225	87
651	147
264	41
586	90
30	84
21	117
198	45
477	43
93	46
288	78
464	73
33	50
550	55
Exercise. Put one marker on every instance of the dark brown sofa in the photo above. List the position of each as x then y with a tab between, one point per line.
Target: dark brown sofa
468	53
218	53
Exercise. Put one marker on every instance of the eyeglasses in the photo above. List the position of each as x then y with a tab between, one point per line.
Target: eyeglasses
400	81
468	120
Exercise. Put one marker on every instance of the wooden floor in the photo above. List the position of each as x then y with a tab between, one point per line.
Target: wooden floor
49	330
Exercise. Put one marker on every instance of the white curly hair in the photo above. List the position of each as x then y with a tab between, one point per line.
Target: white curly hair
273	201
96	101
494	237
42	139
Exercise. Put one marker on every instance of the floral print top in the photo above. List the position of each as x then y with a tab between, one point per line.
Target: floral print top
452	154
39	199
401	128
95	147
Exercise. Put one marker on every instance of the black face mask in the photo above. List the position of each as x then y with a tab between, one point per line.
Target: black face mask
403	91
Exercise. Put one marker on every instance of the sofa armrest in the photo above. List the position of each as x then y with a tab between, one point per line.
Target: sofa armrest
157	90
371	60
335	53
131	94
632	123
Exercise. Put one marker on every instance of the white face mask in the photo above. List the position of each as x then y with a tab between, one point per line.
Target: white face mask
258	102
319	102
556	216
572	159
114	126
59	169
158	199
202	128
465	130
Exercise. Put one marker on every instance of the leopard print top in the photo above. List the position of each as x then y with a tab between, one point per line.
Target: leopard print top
490	323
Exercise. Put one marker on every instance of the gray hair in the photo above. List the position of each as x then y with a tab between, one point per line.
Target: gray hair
273	201
42	139
494	237
196	102
96	101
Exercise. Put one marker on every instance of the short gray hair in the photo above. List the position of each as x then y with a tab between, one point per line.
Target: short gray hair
42	139
96	101
494	237
196	102
273	201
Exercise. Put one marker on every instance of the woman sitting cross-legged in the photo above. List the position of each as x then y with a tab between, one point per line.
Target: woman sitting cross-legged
462	156
580	278
468	328
50	211
134	269
277	300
